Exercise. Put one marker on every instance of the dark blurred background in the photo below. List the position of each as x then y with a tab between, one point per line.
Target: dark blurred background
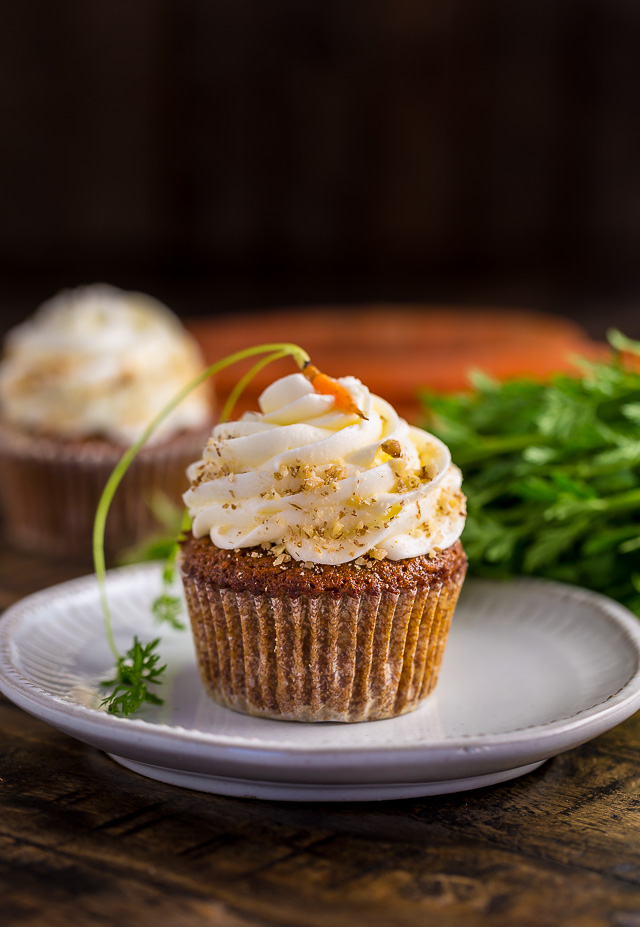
227	155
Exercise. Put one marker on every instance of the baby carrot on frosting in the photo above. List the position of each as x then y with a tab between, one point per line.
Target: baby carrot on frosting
327	386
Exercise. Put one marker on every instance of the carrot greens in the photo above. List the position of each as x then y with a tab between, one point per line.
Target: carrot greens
135	672
552	473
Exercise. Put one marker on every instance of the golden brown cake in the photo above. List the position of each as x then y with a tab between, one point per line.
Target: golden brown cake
319	643
325	562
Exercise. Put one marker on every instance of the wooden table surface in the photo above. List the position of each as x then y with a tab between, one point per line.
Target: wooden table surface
84	841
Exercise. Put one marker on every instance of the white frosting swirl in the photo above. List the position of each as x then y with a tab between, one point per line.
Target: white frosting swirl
97	361
323	483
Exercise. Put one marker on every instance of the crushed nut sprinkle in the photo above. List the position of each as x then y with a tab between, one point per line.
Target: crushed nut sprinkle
352	524
392	447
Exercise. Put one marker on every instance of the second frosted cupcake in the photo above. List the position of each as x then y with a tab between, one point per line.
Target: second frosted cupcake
79	382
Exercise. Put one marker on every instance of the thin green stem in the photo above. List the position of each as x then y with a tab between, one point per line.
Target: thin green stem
621	502
504	444
621	342
299	355
242	384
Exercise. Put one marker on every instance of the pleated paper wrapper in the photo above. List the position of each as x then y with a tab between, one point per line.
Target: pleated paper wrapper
321	658
49	490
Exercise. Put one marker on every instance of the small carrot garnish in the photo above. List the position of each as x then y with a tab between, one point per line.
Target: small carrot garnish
327	386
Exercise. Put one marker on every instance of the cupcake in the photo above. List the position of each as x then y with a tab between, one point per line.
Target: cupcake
324	563
79	382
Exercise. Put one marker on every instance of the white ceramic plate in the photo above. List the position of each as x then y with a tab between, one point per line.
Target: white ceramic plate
531	669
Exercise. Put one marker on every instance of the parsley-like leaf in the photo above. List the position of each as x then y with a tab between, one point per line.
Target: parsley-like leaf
166	608
135	672
552	473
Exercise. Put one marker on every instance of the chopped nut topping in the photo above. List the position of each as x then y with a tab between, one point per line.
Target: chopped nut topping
392	447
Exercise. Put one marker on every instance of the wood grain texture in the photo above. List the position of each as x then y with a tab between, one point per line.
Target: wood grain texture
84	841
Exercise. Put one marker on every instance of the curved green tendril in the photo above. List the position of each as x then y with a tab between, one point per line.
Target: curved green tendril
242	384
277	349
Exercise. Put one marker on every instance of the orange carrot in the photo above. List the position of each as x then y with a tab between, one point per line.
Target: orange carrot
327	386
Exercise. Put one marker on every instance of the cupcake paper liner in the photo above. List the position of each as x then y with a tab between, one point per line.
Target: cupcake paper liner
49	490
321	658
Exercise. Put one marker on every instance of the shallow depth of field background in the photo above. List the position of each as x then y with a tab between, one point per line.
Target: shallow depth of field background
228	155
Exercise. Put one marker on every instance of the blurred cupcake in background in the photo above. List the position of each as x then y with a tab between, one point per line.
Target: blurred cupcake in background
79	382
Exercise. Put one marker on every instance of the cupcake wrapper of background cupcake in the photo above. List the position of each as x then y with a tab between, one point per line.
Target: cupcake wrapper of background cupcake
50	489
321	658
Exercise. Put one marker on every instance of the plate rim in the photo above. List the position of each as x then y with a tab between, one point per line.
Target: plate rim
545	739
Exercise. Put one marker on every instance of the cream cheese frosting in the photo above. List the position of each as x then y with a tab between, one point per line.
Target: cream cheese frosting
97	361
324	485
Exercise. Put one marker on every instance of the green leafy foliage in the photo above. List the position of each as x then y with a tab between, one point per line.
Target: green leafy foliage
166	607
135	672
156	548
159	546
552	473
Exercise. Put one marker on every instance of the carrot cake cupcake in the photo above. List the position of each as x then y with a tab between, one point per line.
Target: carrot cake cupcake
325	563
